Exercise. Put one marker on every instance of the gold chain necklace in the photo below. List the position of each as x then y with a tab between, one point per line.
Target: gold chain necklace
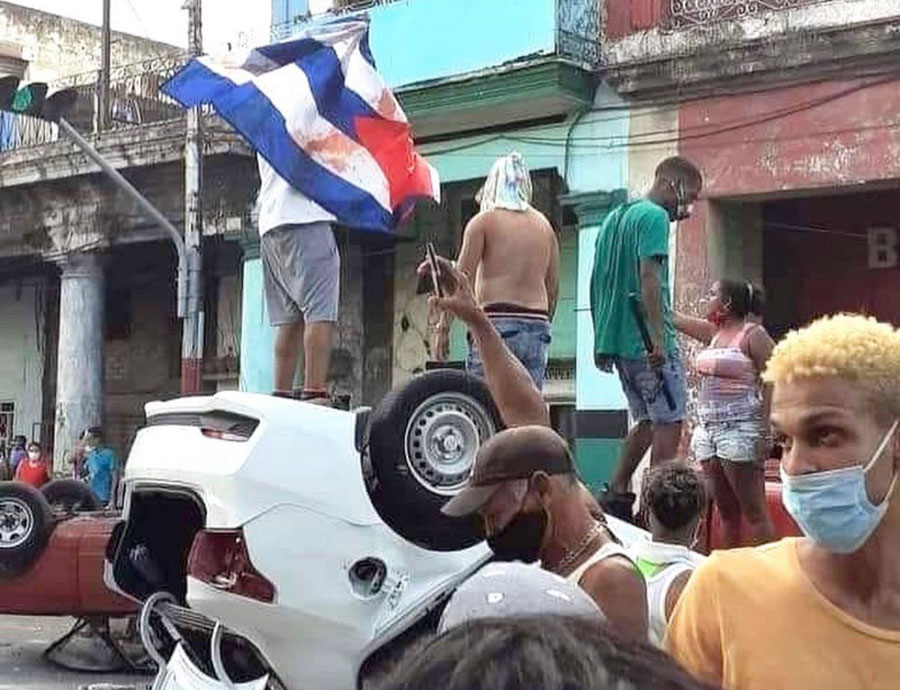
576	551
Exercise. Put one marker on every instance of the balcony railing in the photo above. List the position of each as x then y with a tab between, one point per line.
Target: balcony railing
686	13
134	98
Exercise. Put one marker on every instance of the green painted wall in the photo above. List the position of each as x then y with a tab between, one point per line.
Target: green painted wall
596	459
257	336
563	345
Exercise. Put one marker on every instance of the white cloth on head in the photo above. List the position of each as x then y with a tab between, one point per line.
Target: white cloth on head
508	185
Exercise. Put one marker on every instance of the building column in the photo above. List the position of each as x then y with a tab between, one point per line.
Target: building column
257	365
79	374
601	416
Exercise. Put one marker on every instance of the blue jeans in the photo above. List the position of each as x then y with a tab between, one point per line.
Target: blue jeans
643	388
527	339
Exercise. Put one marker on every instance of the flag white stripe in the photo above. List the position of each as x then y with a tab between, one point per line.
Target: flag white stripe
288	89
361	77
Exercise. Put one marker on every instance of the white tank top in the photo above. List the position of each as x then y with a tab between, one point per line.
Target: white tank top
607	550
661	564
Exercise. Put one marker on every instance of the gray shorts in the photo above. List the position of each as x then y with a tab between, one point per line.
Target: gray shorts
301	273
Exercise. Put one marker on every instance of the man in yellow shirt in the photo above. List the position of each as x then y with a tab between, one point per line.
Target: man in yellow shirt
821	612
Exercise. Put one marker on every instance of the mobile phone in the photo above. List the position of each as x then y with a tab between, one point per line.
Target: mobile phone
430	256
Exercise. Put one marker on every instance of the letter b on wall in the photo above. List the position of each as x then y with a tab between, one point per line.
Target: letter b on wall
884	248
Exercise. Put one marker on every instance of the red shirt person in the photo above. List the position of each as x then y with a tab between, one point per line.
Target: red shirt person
33	470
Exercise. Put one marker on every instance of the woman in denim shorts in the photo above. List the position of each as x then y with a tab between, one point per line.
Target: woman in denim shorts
732	438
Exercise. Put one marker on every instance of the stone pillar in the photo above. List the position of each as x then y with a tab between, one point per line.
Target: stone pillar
79	377
257	366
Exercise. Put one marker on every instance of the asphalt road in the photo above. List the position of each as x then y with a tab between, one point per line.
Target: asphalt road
22	641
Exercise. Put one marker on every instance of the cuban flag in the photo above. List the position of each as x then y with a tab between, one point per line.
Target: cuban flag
318	111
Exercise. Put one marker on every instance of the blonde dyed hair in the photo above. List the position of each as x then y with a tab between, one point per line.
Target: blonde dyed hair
852	347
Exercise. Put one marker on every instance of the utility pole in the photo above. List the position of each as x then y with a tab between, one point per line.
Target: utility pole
103	103
193	323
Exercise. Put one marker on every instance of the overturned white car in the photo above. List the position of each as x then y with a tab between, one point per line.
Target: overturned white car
313	536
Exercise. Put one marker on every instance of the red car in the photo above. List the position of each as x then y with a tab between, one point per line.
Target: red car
52	552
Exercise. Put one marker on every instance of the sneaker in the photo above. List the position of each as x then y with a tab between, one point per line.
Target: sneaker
619	504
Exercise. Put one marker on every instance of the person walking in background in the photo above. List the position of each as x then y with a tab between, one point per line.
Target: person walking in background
18	453
33	470
822	611
510	253
100	465
632	258
674	500
732	437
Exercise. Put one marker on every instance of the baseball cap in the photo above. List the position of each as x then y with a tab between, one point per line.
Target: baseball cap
512	454
515	589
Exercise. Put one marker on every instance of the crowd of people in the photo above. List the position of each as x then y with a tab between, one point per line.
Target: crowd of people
93	462
819	611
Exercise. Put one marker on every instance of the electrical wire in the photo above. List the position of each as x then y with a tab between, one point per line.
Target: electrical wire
683	134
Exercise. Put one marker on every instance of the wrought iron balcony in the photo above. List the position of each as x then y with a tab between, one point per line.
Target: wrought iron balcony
135	99
686	13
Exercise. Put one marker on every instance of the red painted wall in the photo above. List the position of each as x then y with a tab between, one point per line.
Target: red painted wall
625	17
824	241
819	135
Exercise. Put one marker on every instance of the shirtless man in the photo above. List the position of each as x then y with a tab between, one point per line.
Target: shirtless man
511	254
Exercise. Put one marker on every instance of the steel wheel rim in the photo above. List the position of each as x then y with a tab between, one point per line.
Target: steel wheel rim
16	522
442	439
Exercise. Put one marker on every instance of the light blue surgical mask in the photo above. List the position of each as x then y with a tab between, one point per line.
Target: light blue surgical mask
833	507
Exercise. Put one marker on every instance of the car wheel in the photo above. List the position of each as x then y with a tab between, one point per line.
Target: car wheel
423	439
70	496
25	525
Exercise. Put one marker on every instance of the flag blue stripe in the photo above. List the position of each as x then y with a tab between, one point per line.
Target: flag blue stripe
336	103
253	115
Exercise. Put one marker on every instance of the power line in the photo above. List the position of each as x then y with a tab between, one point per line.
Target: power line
683	134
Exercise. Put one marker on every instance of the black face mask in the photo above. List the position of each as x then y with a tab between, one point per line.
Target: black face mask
520	540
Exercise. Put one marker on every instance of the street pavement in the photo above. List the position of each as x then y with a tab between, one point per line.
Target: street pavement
23	639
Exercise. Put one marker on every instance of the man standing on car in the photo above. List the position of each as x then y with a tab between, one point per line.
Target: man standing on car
525	486
301	277
511	254
632	258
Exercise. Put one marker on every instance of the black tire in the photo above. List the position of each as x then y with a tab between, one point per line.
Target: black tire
409	484
70	496
25	525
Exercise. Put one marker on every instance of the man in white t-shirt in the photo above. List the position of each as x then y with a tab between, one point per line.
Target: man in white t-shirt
301	276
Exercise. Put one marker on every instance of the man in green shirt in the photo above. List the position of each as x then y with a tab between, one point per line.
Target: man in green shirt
632	257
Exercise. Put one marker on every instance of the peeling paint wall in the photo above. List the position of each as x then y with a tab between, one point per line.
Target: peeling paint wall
653	137
55	46
832	133
643	42
88	211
